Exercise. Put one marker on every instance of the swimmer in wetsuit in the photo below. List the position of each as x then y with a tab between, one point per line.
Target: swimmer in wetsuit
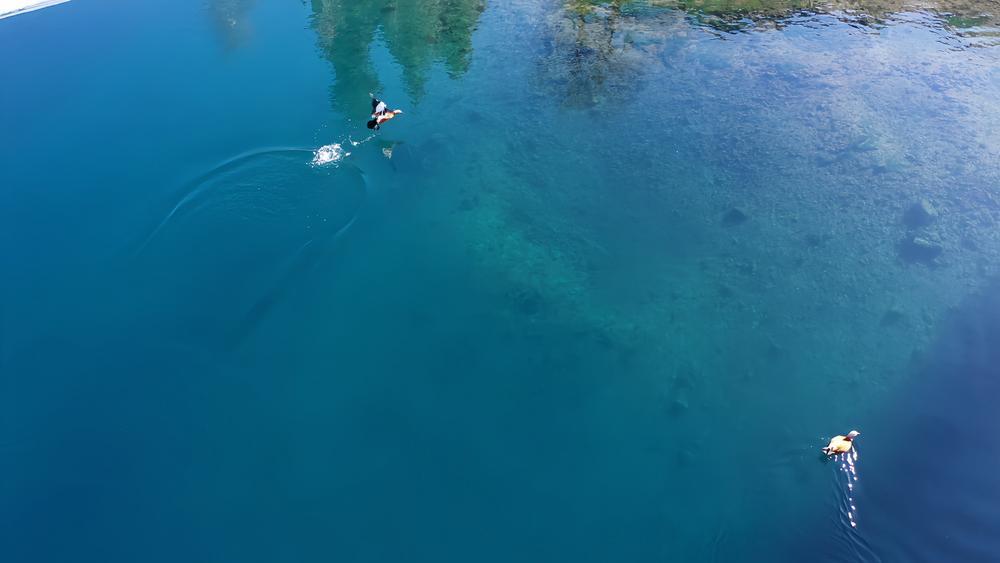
381	113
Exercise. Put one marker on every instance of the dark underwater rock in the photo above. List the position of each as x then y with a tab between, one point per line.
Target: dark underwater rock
919	214
892	317
526	301
774	349
816	240
735	216
725	290
920	249
678	406
685	457
468	203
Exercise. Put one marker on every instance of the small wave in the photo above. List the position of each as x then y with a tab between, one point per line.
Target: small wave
251	228
191	190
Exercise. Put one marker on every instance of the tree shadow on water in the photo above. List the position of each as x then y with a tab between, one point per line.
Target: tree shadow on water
417	33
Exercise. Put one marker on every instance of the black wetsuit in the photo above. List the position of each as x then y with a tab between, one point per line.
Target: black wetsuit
378	109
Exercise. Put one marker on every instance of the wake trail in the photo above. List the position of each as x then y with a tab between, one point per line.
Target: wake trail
303	260
847	482
325	155
191	189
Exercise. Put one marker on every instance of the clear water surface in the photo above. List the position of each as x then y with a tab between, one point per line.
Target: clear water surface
600	294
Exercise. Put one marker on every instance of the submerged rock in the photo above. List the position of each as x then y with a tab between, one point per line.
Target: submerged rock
919	214
774	350
685	377
526	301
725	290
685	457
815	240
892	317
735	216
920	249
679	406
468	203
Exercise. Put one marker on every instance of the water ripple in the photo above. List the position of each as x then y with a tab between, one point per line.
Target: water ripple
286	213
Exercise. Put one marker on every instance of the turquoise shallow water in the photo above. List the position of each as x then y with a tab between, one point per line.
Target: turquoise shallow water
600	294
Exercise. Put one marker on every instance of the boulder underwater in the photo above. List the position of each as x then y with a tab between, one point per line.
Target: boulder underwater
919	214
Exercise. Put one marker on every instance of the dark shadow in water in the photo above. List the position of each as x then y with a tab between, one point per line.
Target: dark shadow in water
929	481
417	33
937	498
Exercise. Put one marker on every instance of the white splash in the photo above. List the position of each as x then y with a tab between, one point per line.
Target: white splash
329	154
333	153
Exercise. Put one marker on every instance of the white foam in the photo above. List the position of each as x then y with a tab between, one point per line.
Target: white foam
334	153
329	154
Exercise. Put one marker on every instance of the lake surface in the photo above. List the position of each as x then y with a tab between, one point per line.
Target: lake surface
601	293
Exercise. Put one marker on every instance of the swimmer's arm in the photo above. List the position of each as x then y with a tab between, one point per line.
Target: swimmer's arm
383	117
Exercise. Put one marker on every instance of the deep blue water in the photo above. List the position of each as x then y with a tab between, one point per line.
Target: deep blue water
600	294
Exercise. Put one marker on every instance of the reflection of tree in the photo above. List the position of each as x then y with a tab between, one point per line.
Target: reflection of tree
230	19
600	47
416	33
957	13
592	57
